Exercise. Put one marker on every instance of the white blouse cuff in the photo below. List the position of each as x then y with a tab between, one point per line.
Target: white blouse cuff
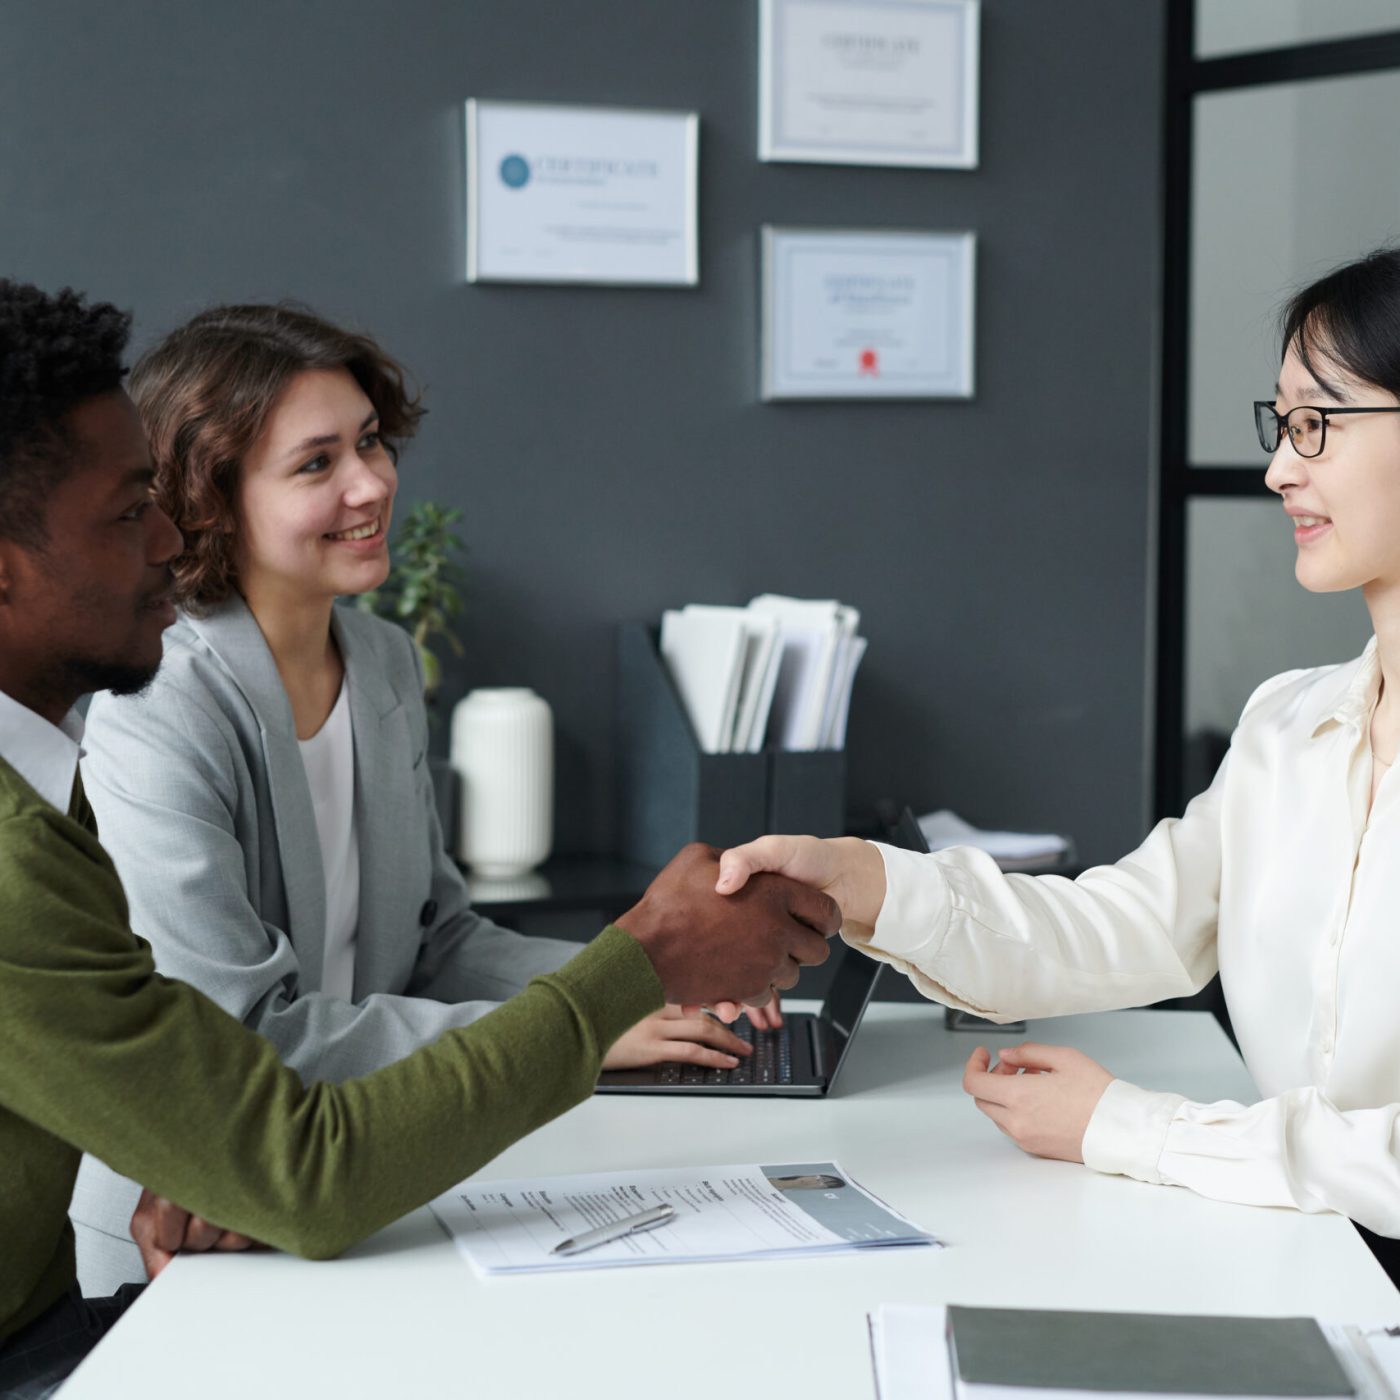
1128	1131
914	918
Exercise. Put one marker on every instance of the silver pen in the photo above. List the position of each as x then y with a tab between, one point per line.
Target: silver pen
618	1229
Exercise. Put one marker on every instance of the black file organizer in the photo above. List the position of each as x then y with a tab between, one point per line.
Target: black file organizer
670	792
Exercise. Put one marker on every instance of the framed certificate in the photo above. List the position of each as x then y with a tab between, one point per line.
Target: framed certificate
851	314
559	193
869	82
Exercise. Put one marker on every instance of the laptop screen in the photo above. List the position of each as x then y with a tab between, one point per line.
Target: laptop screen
854	981
908	833
850	990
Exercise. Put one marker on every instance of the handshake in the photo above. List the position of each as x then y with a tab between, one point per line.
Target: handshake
712	948
706	947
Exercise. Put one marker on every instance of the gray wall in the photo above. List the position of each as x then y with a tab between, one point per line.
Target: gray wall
607	445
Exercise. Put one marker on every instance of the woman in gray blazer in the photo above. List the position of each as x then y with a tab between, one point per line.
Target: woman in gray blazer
267	799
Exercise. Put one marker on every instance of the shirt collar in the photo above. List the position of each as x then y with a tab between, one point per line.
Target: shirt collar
1354	705
43	754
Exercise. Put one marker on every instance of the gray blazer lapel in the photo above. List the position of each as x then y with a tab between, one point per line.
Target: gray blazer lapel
232	632
379	721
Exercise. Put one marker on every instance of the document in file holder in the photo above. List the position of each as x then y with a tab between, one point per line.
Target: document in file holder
915	1357
820	653
724	1212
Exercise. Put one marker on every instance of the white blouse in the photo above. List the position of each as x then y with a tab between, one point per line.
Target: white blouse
1277	876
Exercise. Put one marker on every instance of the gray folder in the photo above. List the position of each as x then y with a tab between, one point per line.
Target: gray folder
1152	1353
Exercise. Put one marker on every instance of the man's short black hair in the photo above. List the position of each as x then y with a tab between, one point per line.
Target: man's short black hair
55	352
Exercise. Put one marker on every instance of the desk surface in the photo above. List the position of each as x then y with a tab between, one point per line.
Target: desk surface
403	1315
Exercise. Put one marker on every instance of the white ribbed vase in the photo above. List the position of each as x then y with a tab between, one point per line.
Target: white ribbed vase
503	748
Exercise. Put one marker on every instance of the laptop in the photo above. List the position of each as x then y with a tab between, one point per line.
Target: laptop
801	1059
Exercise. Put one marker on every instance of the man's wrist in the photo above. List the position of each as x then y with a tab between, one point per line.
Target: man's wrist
635	924
615	982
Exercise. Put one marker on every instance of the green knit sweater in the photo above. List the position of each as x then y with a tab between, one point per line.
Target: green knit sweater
101	1054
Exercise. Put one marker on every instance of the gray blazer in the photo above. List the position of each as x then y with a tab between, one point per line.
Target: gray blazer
202	800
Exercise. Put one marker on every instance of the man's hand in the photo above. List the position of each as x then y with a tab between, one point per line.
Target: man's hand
848	869
1040	1096
162	1229
675	1035
742	947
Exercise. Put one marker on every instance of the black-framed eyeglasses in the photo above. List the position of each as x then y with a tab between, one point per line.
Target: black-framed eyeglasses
1306	427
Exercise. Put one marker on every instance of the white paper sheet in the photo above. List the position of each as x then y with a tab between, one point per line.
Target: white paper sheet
704	648
944	828
852	650
722	1212
812	632
909	1352
1370	1356
760	673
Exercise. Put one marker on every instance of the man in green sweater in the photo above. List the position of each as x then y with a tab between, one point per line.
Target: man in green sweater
98	1052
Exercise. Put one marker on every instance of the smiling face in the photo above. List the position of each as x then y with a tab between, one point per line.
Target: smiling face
85	610
315	495
1345	503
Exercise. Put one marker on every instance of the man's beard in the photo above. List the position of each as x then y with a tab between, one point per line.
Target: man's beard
83	675
66	680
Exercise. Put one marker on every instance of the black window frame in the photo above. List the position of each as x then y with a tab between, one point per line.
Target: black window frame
1180	482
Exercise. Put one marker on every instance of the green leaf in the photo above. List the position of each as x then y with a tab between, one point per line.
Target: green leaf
425	585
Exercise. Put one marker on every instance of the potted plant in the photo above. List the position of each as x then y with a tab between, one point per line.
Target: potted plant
424	589
423	593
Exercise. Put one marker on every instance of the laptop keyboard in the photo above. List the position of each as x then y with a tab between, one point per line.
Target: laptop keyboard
770	1063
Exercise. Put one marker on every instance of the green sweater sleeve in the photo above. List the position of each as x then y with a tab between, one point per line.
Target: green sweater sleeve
100	1052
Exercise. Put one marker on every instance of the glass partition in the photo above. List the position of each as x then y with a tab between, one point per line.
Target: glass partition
1287	181
1247	619
1239	26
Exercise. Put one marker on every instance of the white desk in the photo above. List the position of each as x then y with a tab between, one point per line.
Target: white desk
402	1315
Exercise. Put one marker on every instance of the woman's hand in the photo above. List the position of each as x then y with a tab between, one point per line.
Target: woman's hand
1040	1096
768	1017
848	869
677	1035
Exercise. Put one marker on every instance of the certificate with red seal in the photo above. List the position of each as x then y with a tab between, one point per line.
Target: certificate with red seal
879	314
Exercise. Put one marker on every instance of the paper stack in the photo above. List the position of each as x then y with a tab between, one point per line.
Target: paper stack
1012	850
781	667
820	653
741	1211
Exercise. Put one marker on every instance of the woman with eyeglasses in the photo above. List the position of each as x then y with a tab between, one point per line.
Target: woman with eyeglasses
266	800
1284	875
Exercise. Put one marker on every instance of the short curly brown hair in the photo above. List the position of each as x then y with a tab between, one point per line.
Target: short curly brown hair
204	395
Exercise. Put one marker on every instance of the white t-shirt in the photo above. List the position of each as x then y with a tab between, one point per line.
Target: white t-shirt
329	759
